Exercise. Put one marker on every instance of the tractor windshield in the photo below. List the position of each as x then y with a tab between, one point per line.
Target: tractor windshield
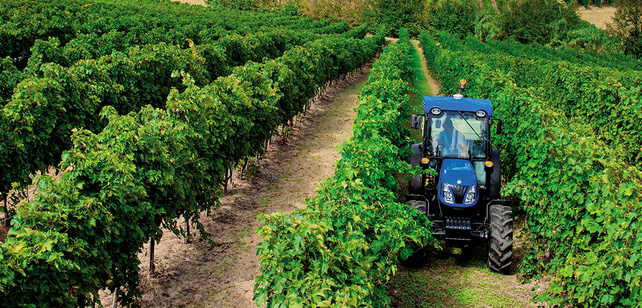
458	134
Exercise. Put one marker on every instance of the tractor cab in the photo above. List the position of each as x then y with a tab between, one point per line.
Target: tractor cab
460	188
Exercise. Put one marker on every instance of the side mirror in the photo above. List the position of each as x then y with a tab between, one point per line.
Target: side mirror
416	120
500	126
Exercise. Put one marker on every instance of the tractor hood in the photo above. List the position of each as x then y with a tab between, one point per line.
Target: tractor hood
457	176
461	104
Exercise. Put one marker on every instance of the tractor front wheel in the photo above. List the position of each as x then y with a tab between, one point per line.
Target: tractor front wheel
415	185
500	245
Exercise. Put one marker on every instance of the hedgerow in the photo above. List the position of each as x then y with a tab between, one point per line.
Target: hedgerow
145	169
103	57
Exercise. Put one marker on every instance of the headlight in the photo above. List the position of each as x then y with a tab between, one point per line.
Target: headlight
480	113
448	195
435	111
470	196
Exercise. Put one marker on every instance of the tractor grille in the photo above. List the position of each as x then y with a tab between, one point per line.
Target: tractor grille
459	192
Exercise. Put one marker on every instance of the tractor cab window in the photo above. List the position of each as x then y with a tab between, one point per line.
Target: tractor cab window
458	135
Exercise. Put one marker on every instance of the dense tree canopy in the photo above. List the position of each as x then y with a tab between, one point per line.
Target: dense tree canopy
627	26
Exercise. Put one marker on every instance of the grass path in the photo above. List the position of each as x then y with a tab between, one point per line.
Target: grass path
424	82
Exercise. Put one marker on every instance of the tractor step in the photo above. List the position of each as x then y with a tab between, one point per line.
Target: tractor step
418	205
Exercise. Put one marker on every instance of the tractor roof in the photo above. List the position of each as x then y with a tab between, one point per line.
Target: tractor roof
457	103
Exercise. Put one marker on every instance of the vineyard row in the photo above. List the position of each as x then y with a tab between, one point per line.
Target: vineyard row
149	167
135	23
345	245
49	100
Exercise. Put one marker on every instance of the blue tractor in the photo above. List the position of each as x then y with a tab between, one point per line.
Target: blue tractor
460	191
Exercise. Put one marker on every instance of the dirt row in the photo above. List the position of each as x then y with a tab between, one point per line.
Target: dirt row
197	274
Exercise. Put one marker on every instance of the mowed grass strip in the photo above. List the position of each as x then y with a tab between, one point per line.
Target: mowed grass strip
420	79
457	278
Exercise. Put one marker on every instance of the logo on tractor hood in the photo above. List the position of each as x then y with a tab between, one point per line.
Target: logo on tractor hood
457	177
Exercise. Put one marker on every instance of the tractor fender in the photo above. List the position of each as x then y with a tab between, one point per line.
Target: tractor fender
415	158
416	184
495	184
503	202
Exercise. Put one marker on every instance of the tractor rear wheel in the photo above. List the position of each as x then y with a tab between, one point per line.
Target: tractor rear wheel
500	245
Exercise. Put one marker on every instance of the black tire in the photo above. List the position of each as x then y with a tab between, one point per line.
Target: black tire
500	244
418	257
416	185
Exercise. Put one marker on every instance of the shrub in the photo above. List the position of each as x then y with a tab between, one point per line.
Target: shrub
455	16
395	14
627	26
536	21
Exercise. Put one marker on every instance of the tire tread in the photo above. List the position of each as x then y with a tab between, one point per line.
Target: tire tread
500	246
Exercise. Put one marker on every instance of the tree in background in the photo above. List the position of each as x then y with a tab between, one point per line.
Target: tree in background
396	14
486	26
350	11
454	16
538	21
627	26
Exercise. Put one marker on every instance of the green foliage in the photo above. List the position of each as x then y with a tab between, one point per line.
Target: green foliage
112	60
541	21
245	5
344	246
591	85
101	27
397	14
626	26
536	21
357	32
290	8
10	76
47	106
486	25
457	17
571	54
580	193
591	38
87	226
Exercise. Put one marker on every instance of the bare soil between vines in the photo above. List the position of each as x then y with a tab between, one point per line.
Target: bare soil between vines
197	274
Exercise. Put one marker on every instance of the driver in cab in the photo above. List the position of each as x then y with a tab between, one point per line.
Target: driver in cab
451	142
